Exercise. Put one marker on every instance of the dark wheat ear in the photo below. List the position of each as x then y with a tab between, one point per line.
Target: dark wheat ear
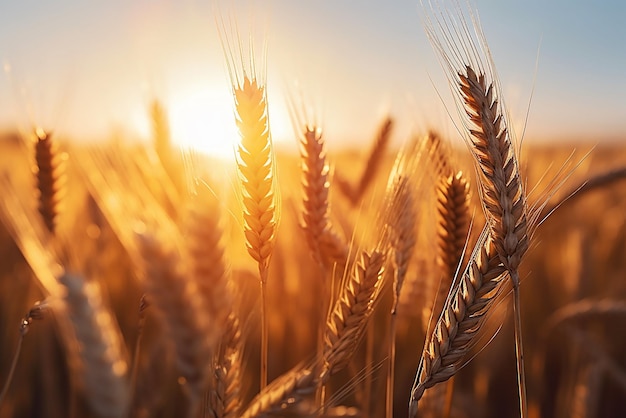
50	174
372	166
453	224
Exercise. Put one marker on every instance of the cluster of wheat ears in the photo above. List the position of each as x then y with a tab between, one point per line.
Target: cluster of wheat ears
170	222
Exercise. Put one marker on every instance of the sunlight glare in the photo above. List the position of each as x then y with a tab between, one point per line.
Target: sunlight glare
203	119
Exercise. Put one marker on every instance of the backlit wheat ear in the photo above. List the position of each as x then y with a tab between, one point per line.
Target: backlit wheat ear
459	327
50	177
453	221
257	170
324	242
94	343
176	299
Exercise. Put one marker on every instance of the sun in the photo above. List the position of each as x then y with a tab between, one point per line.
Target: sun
202	119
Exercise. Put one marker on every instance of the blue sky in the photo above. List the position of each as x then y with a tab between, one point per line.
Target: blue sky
89	68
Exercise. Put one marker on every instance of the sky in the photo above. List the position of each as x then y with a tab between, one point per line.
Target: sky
90	69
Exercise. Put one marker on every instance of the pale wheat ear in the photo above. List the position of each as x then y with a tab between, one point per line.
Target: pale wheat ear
93	341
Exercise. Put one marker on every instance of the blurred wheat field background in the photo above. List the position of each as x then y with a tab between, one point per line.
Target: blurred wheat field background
140	279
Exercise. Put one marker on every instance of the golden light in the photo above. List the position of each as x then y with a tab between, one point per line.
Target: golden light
202	119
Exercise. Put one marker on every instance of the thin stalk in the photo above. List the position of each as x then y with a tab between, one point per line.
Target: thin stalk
392	364
36	312
519	348
264	329
320	393
18	350
135	367
369	359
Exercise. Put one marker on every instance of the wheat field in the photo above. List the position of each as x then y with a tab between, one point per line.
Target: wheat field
437	279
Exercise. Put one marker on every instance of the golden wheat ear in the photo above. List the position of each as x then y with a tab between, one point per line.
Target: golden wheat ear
257	171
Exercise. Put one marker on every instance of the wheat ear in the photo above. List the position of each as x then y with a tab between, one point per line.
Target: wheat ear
458	328
227	379
94	345
503	196
203	236
209	271
287	390
344	329
349	316
324	242
257	171
179	306
50	177
453	221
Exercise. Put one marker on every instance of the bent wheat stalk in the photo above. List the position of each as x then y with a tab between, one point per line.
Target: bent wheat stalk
372	166
468	62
